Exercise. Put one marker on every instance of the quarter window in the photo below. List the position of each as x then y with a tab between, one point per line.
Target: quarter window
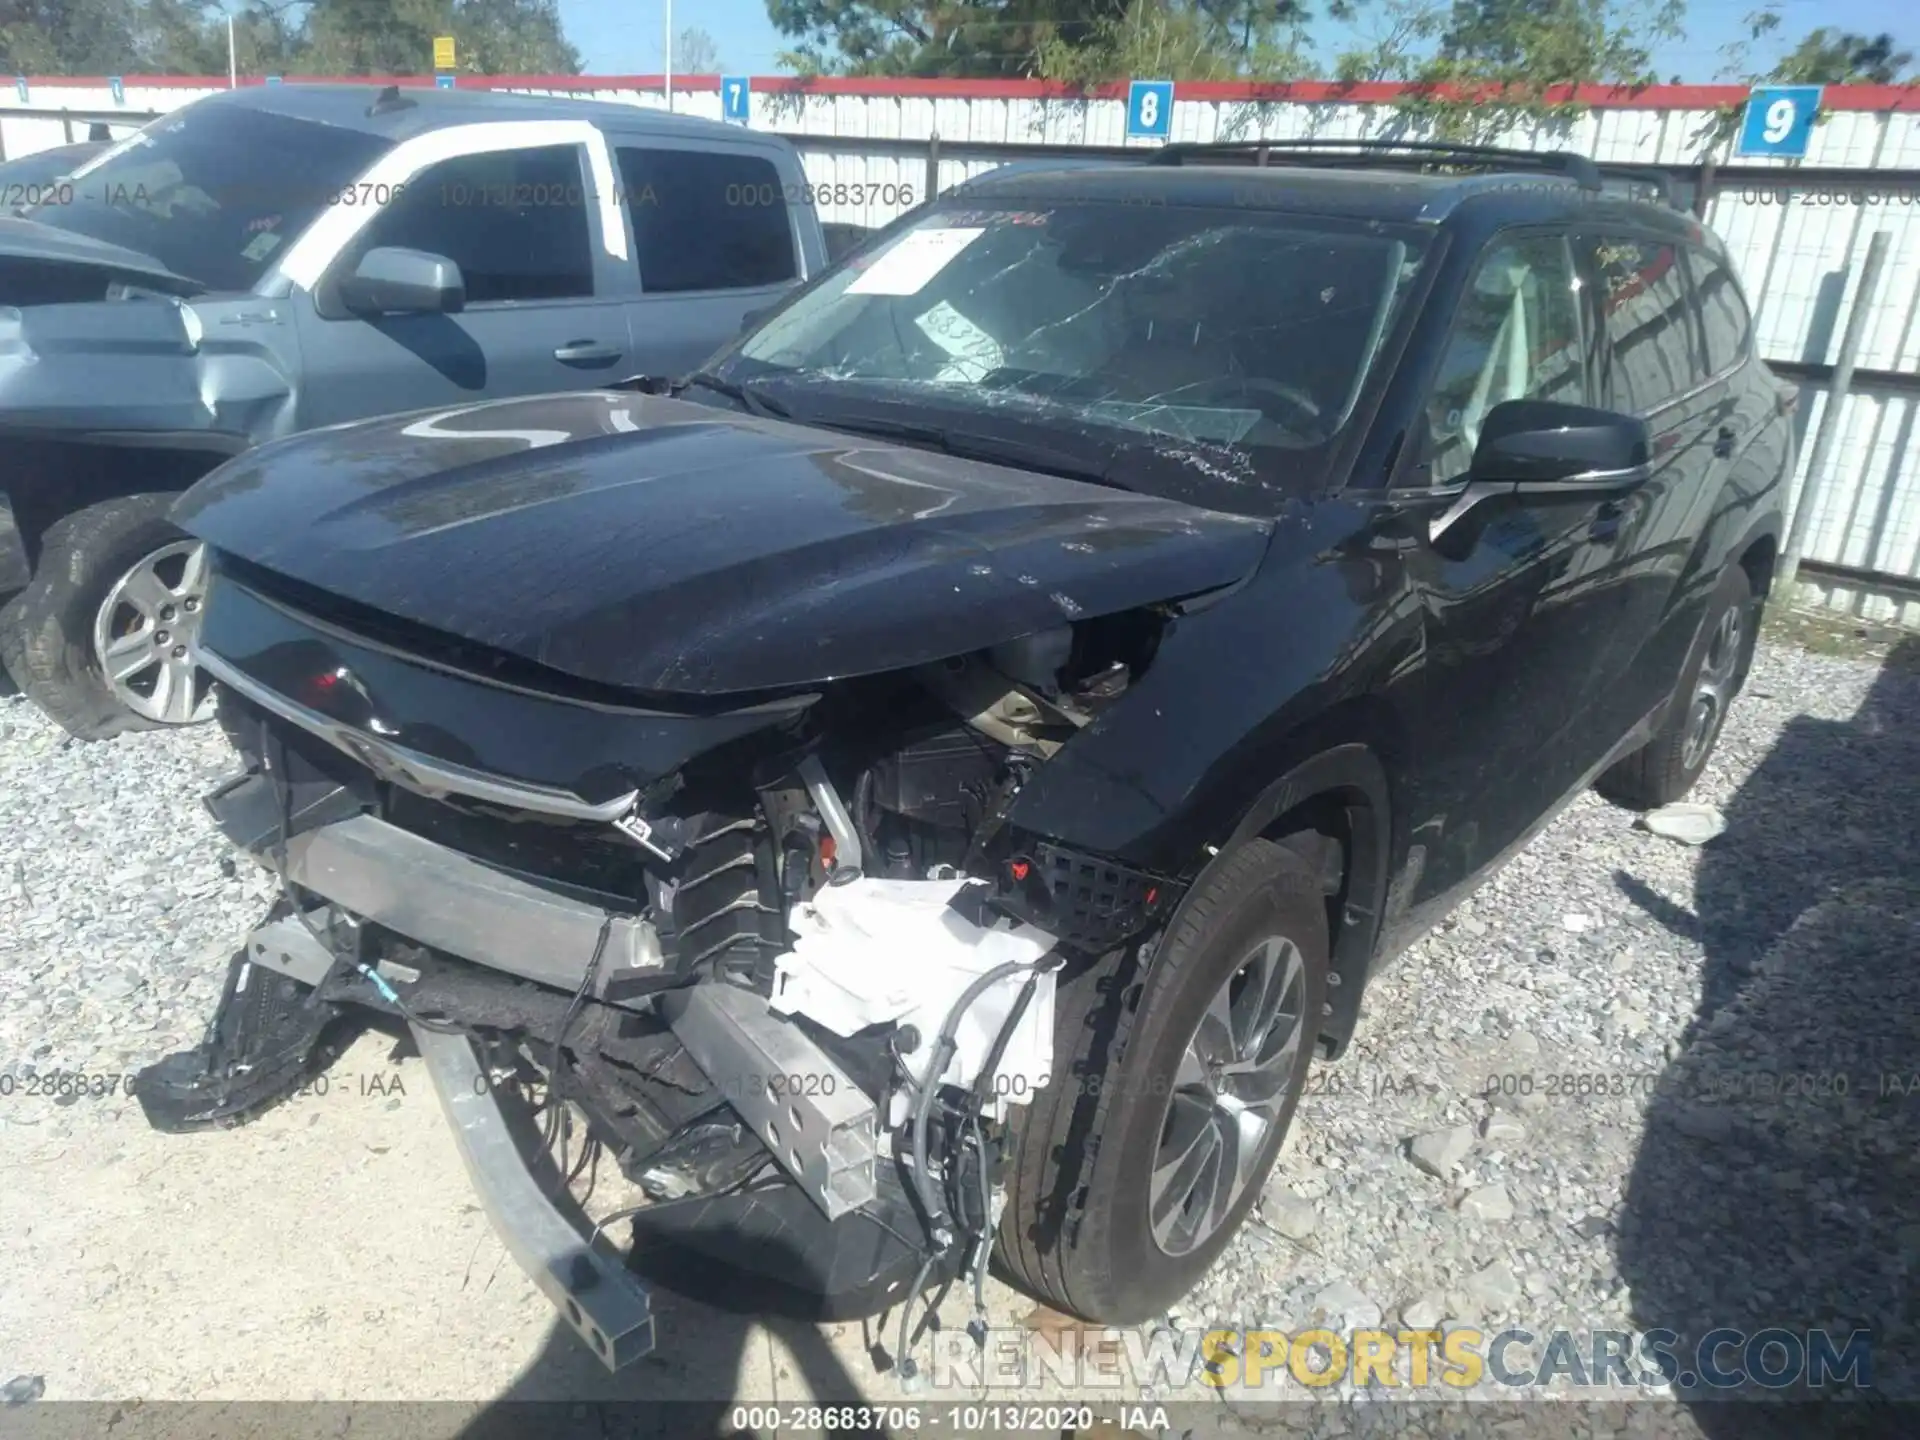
706	220
1516	336
1723	313
1655	356
514	221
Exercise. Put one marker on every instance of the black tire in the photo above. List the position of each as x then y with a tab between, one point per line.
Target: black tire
1076	1230
46	631
1666	767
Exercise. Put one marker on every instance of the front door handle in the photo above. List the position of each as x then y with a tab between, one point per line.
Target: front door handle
1723	441
586	352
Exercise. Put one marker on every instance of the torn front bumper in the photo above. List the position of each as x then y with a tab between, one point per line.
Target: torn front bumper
593	1292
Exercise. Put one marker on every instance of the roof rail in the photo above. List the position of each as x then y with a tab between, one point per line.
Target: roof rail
1423	154
1415	152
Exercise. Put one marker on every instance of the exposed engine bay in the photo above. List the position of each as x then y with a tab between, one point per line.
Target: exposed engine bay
797	986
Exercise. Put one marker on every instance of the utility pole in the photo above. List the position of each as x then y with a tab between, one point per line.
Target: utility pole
666	51
233	64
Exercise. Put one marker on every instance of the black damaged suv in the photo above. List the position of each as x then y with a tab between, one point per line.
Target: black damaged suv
936	777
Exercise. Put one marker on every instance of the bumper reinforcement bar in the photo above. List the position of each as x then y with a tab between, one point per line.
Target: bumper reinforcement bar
443	899
593	1292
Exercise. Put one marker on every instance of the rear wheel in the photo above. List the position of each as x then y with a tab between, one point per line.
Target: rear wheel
101	638
1667	766
1170	1096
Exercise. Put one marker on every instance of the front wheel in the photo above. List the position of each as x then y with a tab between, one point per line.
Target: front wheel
101	639
1170	1097
1667	766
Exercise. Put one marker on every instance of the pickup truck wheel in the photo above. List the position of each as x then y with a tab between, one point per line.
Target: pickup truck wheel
1667	766
1170	1097
100	638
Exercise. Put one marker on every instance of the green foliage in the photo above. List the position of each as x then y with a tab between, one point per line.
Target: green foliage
311	37
1080	41
1481	66
1835	57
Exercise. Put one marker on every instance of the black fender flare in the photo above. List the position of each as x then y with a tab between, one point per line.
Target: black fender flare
1352	776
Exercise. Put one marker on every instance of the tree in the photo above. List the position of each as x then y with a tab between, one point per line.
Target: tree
1480	66
1836	57
1192	41
346	37
1082	41
694	53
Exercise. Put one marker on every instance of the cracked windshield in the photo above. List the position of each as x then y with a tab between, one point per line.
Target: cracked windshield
1218	327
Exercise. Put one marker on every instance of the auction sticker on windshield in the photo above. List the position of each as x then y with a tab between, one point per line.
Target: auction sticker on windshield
910	262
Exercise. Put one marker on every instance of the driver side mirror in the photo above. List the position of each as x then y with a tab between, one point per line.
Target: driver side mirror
1546	442
391	280
1547	448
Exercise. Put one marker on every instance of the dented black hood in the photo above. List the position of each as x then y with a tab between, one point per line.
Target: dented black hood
667	547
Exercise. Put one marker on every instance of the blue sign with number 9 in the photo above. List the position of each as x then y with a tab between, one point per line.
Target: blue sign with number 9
1779	121
1150	109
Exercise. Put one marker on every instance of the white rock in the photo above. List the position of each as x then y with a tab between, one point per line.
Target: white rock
1288	1213
1439	1152
1502	1129
1689	823
1489	1202
1346	1308
1494	1288
1424	1313
1576	922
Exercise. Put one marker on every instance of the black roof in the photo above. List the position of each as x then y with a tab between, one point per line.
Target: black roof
1390	195
399	113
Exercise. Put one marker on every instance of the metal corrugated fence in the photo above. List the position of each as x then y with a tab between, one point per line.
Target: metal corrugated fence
1797	233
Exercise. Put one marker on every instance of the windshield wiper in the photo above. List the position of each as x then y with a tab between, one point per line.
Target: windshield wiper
970	445
753	401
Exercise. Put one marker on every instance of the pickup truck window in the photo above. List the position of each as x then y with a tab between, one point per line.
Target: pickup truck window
214	193
514	221
706	219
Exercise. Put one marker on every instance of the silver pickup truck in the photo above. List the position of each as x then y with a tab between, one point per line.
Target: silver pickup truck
269	260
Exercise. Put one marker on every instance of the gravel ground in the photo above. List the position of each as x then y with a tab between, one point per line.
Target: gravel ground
1750	1011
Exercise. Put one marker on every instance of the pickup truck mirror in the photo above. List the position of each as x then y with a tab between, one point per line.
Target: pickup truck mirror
753	318
1547	442
390	280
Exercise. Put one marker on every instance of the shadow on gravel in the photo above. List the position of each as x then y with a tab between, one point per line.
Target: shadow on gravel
1778	1184
711	1357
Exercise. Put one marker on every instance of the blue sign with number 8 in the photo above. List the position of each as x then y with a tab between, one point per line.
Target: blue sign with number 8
1779	121
1150	109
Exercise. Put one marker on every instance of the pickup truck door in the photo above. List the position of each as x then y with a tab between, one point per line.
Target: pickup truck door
545	307
715	238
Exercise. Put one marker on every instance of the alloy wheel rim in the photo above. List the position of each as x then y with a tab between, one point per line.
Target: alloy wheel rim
144	633
1228	1093
1713	688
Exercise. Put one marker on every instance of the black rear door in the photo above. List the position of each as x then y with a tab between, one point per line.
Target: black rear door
1653	365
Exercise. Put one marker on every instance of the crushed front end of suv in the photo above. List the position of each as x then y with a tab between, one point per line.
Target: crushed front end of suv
936	779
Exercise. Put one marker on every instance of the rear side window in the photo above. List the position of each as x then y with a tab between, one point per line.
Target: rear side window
1723	314
1643	294
706	220
1516	336
514	221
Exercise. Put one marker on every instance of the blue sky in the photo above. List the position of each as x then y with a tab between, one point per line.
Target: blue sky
625	36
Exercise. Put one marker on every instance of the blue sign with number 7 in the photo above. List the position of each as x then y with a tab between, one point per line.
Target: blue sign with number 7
1779	121
734	90
1149	109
